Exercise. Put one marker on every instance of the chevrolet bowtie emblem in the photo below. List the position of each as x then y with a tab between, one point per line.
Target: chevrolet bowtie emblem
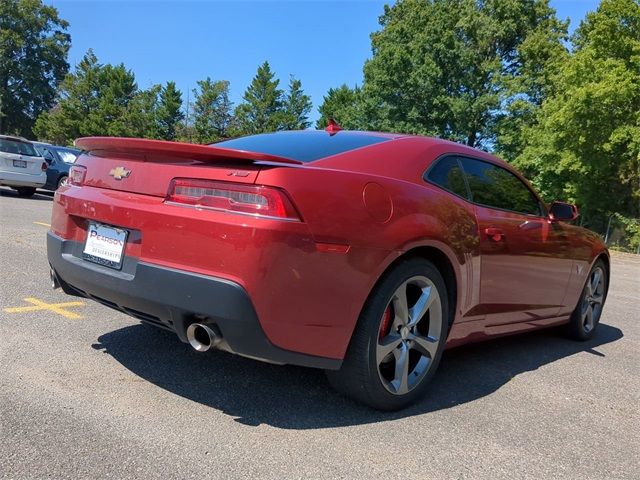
119	173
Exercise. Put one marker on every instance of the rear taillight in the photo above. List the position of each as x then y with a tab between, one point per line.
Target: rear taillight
232	197
44	166
77	174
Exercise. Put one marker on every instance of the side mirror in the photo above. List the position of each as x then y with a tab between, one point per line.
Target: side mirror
563	212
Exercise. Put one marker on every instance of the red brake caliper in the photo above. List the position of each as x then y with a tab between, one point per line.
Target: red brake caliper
385	325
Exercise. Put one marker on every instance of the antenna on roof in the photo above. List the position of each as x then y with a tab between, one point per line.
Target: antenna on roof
332	126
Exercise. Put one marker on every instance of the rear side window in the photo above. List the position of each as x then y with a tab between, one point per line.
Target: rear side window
447	174
495	187
9	145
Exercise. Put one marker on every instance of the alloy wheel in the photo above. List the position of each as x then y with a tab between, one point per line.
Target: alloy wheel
409	335
593	298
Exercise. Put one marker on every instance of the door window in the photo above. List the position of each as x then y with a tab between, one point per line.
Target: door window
496	187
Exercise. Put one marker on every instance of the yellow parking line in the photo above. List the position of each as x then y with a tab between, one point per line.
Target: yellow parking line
39	305
42	223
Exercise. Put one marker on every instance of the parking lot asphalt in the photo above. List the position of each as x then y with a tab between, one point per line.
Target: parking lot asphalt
93	393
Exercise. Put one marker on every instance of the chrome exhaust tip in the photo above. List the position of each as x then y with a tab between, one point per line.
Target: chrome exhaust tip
202	337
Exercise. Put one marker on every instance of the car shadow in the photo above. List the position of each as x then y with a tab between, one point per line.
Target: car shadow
39	195
301	398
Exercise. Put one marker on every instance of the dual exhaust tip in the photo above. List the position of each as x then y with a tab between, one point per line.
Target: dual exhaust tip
203	337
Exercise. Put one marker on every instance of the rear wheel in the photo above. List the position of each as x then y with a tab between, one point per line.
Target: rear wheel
586	317
25	191
399	338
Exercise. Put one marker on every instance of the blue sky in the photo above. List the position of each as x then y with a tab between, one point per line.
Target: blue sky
323	43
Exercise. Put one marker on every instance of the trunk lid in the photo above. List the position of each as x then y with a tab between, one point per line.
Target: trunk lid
148	166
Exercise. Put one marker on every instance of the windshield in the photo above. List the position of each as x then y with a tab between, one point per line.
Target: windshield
9	145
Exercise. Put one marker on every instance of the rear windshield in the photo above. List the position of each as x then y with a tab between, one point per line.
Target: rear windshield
9	145
304	145
68	155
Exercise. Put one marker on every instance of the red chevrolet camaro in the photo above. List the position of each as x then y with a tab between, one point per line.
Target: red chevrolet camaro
364	254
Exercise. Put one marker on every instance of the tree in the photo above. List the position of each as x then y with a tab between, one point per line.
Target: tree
169	114
33	52
586	145
261	110
212	110
541	56
296	107
343	104
443	67
99	99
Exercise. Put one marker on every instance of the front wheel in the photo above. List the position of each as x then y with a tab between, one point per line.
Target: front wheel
586	317
62	182
399	339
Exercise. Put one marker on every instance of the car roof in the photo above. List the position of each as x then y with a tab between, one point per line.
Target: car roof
405	157
318	147
17	139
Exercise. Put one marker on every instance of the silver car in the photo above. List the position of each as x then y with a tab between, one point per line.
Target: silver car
21	166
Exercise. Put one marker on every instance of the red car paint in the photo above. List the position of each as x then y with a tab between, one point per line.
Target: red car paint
360	211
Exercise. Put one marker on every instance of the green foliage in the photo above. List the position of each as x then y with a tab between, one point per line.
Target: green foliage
585	146
296	107
631	234
33	52
261	110
343	104
267	108
212	111
100	100
169	113
449	67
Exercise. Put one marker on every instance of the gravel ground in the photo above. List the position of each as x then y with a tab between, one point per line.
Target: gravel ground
103	396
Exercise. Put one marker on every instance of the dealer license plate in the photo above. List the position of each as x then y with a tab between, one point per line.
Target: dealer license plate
105	245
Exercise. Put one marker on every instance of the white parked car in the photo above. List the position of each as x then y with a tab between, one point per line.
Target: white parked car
21	166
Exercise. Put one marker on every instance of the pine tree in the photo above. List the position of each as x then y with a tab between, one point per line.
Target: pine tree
297	105
261	110
169	113
212	110
99	99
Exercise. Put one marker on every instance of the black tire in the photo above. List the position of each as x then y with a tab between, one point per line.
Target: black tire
579	327
62	181
25	191
360	377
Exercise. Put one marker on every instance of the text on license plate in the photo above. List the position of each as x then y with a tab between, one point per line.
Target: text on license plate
105	245
20	163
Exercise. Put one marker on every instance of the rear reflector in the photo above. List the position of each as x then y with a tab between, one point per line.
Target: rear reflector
255	200
76	175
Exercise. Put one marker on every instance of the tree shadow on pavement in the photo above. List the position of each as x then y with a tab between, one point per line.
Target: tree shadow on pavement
300	398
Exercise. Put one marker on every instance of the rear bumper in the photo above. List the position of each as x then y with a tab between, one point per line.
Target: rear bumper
173	299
15	179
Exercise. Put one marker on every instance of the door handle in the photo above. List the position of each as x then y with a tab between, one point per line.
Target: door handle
494	234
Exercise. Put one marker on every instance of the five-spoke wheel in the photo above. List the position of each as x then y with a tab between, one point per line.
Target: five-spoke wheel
586	316
399	339
409	335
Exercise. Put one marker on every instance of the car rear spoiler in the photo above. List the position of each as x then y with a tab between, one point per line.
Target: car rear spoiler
152	150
